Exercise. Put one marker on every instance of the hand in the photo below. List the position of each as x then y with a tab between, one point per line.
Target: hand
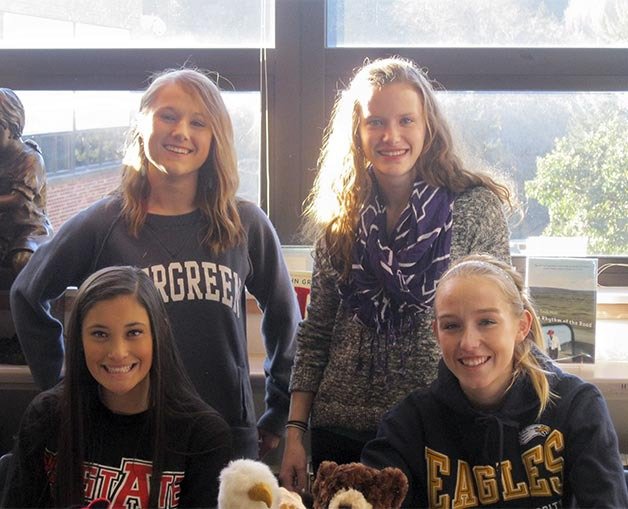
267	442
20	259
293	472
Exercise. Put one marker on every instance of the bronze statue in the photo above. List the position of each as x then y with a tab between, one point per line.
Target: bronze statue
23	221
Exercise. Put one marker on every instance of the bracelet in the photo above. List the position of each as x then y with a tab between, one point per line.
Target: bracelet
302	425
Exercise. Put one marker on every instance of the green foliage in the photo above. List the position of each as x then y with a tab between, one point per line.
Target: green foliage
98	146
583	182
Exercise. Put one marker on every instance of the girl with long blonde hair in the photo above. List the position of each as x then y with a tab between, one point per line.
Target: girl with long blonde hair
392	204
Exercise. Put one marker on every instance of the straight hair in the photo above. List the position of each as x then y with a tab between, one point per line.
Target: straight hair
218	178
171	392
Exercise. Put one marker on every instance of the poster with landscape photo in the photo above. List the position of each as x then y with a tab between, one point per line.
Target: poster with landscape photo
563	291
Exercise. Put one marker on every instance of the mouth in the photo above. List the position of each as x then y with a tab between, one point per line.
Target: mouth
119	370
393	153
177	150
473	362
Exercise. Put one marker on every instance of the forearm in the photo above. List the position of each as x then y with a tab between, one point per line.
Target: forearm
293	473
301	405
299	416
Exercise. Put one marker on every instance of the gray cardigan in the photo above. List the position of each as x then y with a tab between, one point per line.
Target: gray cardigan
357	375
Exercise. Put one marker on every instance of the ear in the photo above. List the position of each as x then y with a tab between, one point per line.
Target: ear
525	323
435	329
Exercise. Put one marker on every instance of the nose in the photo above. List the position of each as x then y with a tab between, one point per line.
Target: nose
117	349
180	130
470	339
391	133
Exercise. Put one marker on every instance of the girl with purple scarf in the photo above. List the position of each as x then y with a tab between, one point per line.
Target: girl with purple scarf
391	206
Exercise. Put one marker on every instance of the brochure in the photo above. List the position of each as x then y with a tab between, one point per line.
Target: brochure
563	292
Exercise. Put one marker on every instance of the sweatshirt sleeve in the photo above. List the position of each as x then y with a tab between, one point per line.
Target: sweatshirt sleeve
26	484
63	261
399	443
594	470
211	451
270	284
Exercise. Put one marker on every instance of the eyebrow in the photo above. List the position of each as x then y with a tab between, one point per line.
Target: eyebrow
102	326
478	311
174	108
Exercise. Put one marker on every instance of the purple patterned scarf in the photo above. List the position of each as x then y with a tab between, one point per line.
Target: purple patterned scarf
391	279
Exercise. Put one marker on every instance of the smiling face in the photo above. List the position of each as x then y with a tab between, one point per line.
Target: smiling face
176	132
478	329
118	345
392	130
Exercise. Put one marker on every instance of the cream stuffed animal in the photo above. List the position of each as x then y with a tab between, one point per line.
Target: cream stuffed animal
249	484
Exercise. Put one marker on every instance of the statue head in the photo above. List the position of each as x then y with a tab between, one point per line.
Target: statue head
12	115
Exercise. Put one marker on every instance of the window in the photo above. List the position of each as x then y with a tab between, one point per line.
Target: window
137	24
449	23
564	154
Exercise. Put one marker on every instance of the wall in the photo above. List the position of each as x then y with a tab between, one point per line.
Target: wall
68	195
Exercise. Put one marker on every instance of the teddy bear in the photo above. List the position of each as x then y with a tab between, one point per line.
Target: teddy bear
357	486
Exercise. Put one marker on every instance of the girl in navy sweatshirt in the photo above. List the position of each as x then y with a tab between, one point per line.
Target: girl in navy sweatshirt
176	215
502	425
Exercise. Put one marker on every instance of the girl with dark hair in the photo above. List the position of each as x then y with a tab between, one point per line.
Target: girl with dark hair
502	425
176	215
392	204
126	423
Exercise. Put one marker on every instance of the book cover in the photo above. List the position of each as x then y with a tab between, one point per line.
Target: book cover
563	292
302	282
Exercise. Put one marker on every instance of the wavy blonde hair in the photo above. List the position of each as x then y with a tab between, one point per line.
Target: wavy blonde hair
342	185
512	286
218	177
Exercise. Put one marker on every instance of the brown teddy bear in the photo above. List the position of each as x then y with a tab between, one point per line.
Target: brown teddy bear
356	486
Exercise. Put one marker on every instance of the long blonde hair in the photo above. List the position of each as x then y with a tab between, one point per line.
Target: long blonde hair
342	185
218	177
512	286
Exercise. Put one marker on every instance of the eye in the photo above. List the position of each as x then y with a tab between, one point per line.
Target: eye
487	321
449	326
133	333
374	122
199	123
407	121
167	116
98	335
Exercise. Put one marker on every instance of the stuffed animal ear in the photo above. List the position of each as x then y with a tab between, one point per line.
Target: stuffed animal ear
396	484
326	468
321	492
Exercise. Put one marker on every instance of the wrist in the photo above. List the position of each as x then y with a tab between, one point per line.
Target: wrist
297	424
